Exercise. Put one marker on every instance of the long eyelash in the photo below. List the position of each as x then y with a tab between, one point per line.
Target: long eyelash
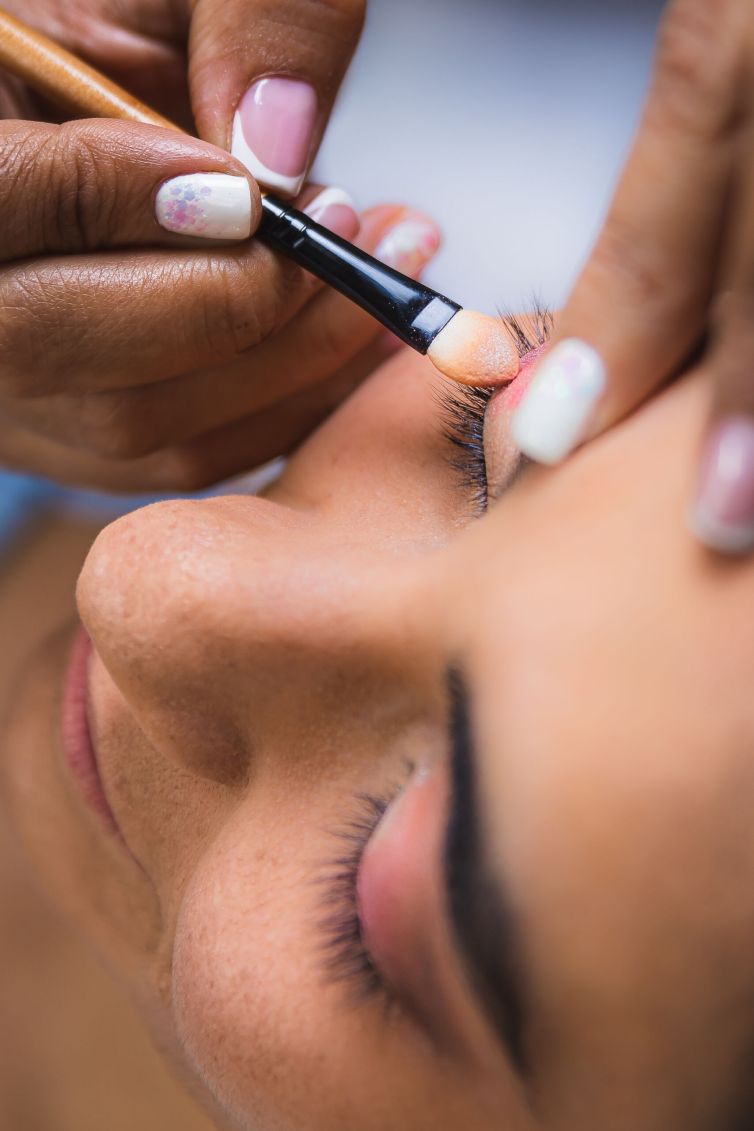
346	958
463	412
463	408
532	330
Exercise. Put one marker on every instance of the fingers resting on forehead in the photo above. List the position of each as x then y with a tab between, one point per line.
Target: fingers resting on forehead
671	276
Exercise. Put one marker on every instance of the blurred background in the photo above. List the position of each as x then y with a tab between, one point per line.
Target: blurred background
508	121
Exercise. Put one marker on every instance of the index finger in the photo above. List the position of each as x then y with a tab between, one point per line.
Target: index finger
641	301
86	185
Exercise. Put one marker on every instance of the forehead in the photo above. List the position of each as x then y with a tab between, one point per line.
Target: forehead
584	591
609	653
620	827
610	663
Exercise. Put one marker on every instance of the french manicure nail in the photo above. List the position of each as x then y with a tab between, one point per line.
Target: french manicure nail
723	513
213	205
272	132
409	246
555	411
335	210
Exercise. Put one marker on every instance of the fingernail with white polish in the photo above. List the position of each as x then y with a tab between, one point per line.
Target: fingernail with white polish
723	514
335	210
554	414
215	206
273	130
409	246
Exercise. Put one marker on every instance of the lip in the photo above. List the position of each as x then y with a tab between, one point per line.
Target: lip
78	747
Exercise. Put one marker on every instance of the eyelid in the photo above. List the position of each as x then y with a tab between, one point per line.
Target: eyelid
463	409
504	462
486	459
502	458
345	957
483	926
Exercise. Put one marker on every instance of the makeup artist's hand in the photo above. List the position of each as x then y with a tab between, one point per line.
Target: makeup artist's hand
261	75
139	369
671	279
132	357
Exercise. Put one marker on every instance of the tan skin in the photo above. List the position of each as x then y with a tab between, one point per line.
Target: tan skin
261	662
64	1019
231	354
674	259
670	275
132	370
672	267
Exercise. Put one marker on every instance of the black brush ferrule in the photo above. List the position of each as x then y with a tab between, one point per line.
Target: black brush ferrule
413	312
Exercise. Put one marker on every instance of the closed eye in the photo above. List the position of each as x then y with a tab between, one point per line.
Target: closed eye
463	409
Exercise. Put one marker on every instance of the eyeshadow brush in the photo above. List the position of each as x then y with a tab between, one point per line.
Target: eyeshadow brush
465	345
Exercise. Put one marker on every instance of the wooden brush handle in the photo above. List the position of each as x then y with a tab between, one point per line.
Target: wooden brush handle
51	70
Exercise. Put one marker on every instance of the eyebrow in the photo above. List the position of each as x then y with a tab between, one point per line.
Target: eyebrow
480	914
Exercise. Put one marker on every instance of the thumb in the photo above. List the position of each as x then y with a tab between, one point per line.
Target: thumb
264	75
100	183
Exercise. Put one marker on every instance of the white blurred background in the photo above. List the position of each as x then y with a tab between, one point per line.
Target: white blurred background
507	119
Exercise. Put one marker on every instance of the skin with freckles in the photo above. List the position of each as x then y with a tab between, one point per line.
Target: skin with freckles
259	664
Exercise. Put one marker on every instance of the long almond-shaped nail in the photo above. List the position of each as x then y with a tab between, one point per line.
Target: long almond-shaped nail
556	410
272	132
723	512
215	206
409	245
335	210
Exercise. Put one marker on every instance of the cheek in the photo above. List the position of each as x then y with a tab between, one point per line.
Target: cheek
230	986
274	1041
261	1026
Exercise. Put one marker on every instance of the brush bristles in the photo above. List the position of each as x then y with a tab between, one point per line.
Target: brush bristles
475	349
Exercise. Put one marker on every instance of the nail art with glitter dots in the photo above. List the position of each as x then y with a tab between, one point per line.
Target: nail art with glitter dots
555	412
213	206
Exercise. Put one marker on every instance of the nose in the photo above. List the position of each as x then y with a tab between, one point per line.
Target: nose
225	619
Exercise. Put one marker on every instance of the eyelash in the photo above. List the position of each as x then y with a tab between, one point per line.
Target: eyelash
345	956
463	412
463	409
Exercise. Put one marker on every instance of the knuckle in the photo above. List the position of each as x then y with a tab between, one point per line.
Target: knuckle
695	68
82	184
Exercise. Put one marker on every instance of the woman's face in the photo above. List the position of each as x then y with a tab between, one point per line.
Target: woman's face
551	925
